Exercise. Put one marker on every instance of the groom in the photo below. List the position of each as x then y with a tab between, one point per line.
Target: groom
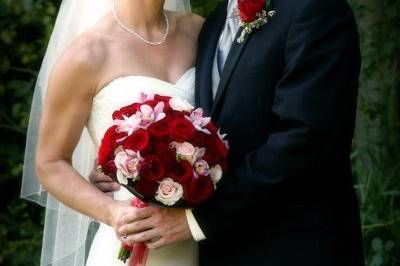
286	96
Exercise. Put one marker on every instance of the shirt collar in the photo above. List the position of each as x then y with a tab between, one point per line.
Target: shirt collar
232	4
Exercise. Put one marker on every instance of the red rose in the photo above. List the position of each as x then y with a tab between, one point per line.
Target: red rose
181	129
152	169
220	147
199	139
175	114
161	148
211	157
167	155
164	99
212	128
138	141
181	172
217	145
198	190
160	129
108	144
216	151
126	111
248	9
109	169
161	98
151	103
146	188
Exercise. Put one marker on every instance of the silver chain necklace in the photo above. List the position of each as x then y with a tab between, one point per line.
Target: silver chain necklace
163	38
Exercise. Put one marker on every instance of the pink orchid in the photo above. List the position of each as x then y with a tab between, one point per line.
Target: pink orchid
198	121
148	115
128	125
142	119
202	168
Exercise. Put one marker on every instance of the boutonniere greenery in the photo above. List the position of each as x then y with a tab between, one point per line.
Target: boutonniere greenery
252	15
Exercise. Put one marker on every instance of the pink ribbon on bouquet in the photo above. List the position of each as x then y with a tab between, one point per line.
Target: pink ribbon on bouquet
139	250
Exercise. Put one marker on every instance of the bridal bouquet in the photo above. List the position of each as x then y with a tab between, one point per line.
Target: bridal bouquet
165	152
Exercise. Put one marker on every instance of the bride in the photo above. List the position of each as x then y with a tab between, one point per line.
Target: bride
135	45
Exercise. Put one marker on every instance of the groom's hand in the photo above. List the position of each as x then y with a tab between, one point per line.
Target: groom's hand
161	227
104	183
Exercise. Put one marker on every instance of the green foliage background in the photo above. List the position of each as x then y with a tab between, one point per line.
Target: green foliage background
25	26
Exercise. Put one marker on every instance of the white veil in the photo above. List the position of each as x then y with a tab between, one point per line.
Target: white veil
67	234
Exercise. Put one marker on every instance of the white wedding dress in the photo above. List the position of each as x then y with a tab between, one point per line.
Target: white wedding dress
118	93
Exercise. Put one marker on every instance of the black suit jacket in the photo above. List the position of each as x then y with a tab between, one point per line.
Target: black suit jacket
287	99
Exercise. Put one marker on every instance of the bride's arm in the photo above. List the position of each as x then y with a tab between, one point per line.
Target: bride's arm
67	107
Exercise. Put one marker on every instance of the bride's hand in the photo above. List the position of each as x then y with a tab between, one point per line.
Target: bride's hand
120	212
102	182
157	227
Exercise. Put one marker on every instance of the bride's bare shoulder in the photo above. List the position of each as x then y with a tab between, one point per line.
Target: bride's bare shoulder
86	50
79	63
90	48
85	57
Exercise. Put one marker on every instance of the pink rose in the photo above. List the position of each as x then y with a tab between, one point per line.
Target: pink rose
169	192
128	165
184	151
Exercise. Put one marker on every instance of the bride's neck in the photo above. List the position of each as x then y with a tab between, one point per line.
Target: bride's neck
142	15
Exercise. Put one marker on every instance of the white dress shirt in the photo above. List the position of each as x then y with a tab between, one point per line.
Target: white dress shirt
224	45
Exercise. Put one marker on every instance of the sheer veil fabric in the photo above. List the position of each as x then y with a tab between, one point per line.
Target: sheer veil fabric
66	232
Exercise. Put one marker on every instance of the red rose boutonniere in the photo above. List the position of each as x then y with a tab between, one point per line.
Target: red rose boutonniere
252	15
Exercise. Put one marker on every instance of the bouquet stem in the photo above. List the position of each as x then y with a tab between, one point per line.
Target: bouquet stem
124	252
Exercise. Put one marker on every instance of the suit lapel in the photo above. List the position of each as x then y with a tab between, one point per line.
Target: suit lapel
230	64
207	48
